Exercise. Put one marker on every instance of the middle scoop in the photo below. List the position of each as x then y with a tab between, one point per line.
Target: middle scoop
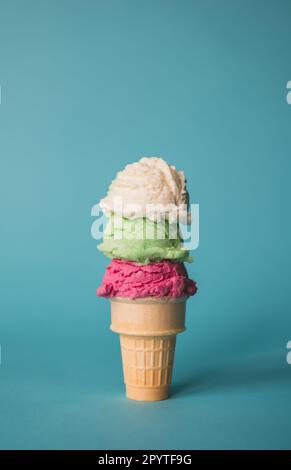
142	240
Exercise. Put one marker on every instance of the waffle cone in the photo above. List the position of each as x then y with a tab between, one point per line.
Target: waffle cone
147	329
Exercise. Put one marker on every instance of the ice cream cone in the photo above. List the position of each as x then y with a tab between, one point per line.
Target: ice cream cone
148	329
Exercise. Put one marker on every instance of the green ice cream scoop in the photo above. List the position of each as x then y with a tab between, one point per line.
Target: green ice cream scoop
142	240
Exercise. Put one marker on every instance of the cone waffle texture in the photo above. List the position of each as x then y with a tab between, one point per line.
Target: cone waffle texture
148	338
148	362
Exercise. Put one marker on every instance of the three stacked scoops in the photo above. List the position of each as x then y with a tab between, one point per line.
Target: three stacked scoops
146	281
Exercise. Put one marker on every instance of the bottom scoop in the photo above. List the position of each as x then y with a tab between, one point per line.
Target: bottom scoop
132	280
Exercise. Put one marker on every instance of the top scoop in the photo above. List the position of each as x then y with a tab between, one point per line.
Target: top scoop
148	188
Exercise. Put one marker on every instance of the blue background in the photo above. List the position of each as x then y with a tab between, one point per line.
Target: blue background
87	87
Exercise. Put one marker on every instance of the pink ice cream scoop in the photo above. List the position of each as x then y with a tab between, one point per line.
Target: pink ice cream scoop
133	280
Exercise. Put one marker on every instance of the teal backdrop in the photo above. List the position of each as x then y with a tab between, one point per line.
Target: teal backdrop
88	86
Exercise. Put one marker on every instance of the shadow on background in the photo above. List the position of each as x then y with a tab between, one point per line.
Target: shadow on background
245	372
